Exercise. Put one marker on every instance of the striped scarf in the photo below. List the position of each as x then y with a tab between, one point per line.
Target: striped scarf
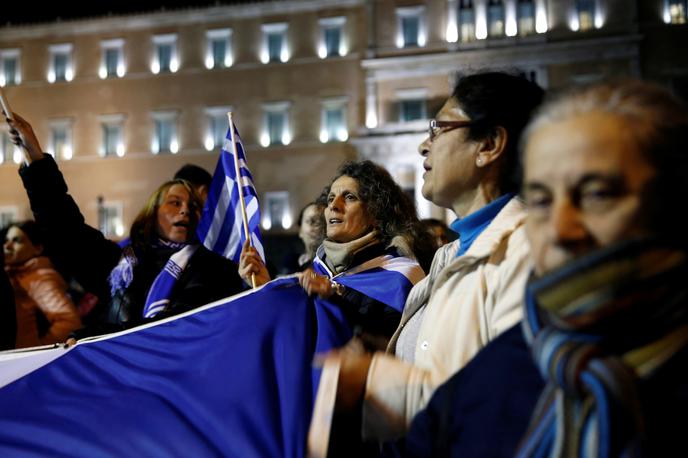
598	327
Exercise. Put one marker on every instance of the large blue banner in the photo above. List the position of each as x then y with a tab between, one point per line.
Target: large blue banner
232	379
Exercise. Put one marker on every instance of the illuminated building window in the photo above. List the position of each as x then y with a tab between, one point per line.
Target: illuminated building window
410	27
276	129
61	65
219	52
275	46
112	130
526	17
218	124
278	212
165	136
333	120
676	11
495	18
112	63
110	218
466	21
8	215
585	10
9	67
60	145
412	104
332	37
165	57
8	151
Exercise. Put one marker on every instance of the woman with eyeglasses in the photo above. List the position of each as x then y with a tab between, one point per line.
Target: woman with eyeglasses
474	288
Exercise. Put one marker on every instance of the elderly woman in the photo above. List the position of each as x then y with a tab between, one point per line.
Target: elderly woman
164	271
367	263
474	289
39	290
606	319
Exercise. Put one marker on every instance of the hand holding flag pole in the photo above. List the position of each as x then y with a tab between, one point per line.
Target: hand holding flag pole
241	188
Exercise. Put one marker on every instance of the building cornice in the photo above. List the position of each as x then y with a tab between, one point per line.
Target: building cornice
518	55
206	15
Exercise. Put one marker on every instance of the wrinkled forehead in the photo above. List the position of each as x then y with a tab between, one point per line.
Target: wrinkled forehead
594	143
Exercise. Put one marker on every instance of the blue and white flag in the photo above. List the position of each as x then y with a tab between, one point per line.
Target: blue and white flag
231	379
387	278
221	226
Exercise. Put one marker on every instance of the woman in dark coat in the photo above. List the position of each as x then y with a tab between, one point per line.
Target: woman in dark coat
165	271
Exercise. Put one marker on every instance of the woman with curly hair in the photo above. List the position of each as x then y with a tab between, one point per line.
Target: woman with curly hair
370	224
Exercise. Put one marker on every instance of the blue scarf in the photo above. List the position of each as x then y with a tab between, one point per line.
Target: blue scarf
598	327
158	294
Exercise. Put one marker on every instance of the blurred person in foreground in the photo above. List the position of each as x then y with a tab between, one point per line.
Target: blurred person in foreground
598	365
45	313
163	272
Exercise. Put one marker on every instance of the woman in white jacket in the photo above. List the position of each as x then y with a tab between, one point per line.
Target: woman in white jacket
475	286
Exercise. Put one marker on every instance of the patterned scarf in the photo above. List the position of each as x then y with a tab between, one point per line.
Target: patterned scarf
598	327
158	295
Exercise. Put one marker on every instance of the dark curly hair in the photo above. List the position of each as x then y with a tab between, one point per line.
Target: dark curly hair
389	205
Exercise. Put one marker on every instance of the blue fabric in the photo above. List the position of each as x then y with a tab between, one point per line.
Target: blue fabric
471	226
387	279
230	380
221	226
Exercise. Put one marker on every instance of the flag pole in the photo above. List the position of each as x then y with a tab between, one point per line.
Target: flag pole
8	113
241	188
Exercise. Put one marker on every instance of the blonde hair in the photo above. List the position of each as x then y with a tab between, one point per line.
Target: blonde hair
144	229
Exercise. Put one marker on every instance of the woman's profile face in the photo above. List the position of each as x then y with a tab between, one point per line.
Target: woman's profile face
345	215
177	215
18	247
450	171
583	185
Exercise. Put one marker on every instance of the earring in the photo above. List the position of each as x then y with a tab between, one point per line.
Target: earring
479	162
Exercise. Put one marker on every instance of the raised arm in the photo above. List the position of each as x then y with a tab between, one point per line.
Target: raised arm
81	249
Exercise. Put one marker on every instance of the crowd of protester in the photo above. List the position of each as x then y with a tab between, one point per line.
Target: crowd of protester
555	323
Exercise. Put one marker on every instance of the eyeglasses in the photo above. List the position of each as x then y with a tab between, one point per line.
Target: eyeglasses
436	125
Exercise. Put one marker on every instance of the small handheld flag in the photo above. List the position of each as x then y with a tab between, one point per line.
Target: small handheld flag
231	214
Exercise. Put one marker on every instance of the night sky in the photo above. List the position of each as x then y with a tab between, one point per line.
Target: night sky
17	12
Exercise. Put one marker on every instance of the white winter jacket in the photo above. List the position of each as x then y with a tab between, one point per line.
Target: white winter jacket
470	300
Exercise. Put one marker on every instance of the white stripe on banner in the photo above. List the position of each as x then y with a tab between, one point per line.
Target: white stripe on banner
403	265
246	182
257	245
227	145
17	363
219	213
235	235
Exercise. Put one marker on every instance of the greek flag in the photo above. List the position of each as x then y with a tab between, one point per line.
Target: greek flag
221	226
